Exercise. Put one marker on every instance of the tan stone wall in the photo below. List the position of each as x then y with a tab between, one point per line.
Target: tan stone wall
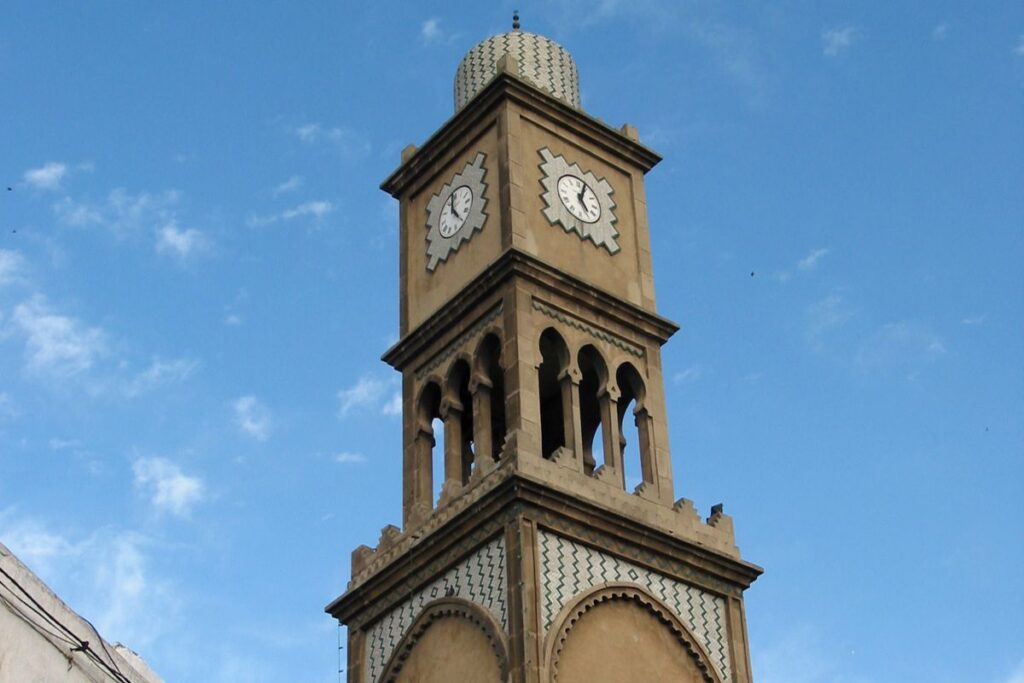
625	274
427	291
451	650
623	641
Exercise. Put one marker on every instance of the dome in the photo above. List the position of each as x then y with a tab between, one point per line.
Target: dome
542	62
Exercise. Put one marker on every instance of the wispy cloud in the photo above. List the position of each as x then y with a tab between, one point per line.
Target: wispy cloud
973	320
12	267
905	342
432	33
835	41
806	264
370	394
1018	49
56	345
181	243
252	417
345	140
315	209
122	213
940	31
8	409
823	317
690	374
108	575
166	486
810	262
802	656
46	177
293	183
159	373
1017	675
346	458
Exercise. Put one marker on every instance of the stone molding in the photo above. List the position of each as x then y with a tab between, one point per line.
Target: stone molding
612	592
574	322
452	348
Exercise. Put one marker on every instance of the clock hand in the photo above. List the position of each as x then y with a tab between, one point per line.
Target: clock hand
451	203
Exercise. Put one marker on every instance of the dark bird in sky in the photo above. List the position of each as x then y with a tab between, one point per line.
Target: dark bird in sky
751	273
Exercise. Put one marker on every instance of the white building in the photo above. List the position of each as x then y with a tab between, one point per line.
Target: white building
42	640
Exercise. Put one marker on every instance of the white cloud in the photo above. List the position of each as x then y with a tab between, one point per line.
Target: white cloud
810	262
8	409
973	320
46	177
835	41
346	458
252	417
12	267
181	243
55	344
293	183
823	317
370	394
158	373
169	489
107	575
316	209
345	140
940	31
232	319
431	32
900	343
1017	675
122	213
690	374
1019	47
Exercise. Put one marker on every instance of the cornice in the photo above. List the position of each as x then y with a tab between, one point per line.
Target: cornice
515	263
507	87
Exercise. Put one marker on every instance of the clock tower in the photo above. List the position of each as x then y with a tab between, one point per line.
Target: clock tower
529	331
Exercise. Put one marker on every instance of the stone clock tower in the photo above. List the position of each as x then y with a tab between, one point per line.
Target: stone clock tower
529	330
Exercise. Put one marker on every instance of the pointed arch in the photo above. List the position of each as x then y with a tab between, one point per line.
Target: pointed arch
488	389
447	610
610	593
593	425
633	391
556	423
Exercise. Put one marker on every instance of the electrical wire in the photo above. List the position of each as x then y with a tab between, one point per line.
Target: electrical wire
80	645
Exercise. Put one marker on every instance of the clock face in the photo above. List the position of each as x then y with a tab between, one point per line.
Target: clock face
579	199
455	211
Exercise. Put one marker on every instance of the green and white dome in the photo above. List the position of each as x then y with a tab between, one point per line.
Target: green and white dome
542	62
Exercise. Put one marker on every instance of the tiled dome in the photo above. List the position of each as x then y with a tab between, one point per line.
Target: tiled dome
542	62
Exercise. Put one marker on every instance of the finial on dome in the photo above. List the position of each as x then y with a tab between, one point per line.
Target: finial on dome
515	20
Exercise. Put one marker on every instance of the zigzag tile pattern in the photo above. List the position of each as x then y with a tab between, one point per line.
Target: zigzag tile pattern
480	578
543	62
569	569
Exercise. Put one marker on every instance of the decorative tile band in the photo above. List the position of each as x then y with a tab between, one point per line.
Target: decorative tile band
480	578
569	569
573	321
450	350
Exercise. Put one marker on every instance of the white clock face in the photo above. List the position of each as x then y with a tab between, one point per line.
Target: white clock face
579	199
455	211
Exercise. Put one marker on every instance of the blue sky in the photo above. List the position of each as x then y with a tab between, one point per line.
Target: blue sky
198	275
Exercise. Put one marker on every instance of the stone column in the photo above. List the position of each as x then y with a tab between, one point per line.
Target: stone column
572	430
609	407
451	413
480	387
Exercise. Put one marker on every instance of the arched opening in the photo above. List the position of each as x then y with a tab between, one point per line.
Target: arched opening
457	413
488	390
593	382
429	468
554	363
634	428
